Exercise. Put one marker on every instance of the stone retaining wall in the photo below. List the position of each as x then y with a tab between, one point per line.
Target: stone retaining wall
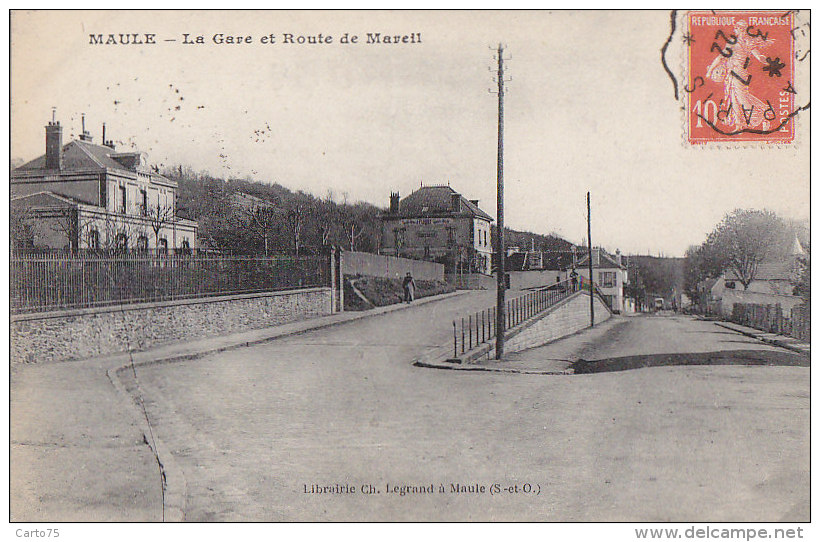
565	318
85	333
389	267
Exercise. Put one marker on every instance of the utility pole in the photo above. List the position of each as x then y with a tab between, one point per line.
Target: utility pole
589	257
500	322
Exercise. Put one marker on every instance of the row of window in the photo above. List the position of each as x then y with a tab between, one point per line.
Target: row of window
121	242
143	200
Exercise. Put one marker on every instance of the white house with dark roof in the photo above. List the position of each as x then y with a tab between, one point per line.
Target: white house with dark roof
436	223
86	196
609	275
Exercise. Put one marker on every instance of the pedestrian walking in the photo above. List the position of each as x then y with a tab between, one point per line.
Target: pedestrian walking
409	286
574	278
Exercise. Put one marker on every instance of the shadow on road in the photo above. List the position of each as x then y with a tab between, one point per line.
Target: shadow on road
726	357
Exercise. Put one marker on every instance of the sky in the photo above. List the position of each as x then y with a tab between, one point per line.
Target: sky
589	108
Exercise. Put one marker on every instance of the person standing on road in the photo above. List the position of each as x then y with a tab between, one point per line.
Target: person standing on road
574	278
409	286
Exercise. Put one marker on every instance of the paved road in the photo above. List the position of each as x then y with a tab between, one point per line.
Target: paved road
252	429
76	449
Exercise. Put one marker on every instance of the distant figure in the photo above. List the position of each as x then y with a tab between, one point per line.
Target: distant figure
409	286
574	278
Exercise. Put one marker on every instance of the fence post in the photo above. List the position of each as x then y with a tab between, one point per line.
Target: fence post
455	341
470	325
462	335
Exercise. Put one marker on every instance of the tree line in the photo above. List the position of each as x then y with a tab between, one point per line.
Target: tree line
241	215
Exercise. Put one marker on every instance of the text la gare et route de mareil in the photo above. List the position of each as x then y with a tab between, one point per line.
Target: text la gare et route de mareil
286	38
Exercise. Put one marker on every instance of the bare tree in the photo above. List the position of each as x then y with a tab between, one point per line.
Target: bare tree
158	216
296	219
327	217
261	220
353	231
21	222
64	222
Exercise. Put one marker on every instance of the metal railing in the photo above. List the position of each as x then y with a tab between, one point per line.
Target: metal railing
480	328
46	282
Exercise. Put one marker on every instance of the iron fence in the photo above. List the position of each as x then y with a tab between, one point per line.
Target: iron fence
770	318
479	328
48	281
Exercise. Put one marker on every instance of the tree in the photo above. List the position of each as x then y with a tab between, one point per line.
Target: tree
696	268
64	222
326	214
802	283
742	241
261	221
158	216
21	231
296	220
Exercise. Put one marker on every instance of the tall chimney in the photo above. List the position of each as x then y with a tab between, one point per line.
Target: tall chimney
54	145
85	135
394	202
107	142
618	256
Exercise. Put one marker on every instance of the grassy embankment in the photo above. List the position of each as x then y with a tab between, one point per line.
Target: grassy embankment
380	292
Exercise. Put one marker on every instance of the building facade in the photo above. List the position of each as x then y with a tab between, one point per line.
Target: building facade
86	196
609	275
436	223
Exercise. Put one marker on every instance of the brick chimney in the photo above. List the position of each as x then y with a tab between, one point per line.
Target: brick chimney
455	203
618	256
54	145
394	202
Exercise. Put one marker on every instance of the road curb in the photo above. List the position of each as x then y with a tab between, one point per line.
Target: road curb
757	335
173	477
484	368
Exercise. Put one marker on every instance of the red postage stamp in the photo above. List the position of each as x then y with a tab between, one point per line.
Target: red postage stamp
740	80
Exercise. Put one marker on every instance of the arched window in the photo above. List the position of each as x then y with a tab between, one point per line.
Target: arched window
162	246
185	247
142	243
